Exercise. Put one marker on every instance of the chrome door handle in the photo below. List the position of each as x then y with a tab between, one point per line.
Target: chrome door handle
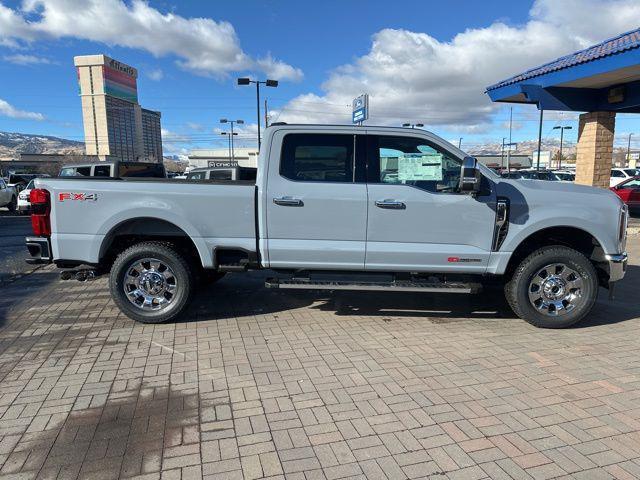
390	204
288	202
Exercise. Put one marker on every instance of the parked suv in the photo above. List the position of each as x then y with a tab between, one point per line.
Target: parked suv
114	169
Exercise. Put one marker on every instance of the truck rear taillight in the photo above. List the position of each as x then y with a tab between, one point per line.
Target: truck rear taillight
40	200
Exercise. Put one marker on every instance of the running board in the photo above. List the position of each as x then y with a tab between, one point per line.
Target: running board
396	286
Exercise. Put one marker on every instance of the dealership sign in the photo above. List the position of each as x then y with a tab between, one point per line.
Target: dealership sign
222	163
360	110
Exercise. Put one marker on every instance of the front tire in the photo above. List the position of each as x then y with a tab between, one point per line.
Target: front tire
151	282
554	287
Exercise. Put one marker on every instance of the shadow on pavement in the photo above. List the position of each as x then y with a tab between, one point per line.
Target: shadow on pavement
244	295
625	305
23	292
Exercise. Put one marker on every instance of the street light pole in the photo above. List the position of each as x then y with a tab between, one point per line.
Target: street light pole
562	129
232	152
268	83
629	149
459	142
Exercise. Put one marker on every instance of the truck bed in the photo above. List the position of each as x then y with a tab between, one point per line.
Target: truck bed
86	210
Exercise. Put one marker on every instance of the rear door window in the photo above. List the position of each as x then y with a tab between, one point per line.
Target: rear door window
318	157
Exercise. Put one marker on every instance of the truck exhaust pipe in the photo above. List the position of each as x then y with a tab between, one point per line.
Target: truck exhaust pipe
79	275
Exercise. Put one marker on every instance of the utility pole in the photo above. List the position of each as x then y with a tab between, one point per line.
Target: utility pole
539	139
629	149
459	142
509	151
502	153
266	114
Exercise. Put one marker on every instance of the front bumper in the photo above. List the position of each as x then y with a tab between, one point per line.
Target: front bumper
39	249
617	266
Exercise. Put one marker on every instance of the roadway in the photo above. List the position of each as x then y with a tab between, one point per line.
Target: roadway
13	229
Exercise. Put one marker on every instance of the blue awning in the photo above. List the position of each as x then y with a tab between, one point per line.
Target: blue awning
603	77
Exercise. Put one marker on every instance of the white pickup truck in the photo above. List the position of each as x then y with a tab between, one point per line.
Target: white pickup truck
339	207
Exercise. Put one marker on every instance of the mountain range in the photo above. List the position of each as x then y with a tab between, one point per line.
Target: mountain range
13	143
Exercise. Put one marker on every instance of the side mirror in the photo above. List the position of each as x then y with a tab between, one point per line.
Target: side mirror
470	176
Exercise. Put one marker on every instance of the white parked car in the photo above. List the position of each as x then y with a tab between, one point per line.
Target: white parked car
619	175
24	205
8	196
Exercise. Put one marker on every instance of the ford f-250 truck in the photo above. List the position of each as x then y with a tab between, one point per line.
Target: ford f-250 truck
339	207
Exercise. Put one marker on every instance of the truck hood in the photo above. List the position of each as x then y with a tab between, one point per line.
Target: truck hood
536	192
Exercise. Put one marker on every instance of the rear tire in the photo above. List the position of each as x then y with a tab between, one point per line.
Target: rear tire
554	287
151	282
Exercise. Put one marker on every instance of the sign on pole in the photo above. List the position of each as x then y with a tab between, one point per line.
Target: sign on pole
360	110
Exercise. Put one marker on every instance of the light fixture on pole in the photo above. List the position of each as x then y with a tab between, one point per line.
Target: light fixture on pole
232	152
268	83
562	129
413	125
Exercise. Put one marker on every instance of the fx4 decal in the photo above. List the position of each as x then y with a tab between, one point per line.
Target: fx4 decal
82	197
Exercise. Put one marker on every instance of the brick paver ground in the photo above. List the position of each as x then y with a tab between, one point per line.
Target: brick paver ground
257	383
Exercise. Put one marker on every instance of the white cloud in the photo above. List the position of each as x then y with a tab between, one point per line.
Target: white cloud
22	59
8	110
201	45
413	77
156	74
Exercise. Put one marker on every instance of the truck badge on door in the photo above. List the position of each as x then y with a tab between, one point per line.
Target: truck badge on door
83	197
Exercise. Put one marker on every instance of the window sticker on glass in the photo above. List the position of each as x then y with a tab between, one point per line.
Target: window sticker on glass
420	166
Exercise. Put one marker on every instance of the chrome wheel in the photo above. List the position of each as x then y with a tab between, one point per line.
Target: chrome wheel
555	290
150	284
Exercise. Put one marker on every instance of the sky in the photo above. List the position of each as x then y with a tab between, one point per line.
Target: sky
420	61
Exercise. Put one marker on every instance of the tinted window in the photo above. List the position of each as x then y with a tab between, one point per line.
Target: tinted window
221	174
248	174
155	170
197	176
82	172
617	173
102	171
317	157
413	161
30	186
632	172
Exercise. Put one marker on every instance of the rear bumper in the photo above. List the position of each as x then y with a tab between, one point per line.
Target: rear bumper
617	266
39	250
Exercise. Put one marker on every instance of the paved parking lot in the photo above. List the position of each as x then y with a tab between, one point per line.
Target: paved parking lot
257	383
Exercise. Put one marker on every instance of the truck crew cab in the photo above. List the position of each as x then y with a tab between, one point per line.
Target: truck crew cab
340	207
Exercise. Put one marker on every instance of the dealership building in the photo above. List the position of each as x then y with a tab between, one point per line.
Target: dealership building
116	127
219	157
